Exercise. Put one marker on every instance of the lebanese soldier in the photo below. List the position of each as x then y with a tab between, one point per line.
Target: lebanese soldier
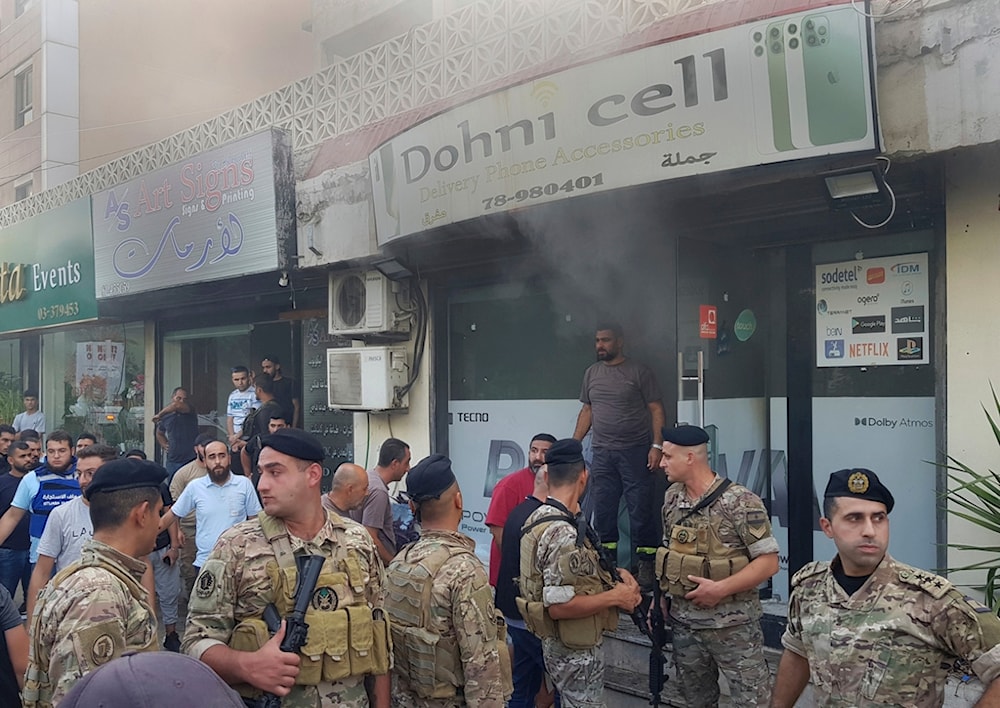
97	609
717	548
253	565
871	630
448	640
567	598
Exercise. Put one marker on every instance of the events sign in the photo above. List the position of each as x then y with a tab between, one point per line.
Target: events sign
488	440
788	87
873	312
225	213
47	270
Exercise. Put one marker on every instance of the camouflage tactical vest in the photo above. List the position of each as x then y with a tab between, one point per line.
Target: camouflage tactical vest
345	638
695	548
578	633
37	683
430	663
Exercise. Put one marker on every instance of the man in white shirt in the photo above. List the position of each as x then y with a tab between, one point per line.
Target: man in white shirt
241	401
69	525
31	418
220	500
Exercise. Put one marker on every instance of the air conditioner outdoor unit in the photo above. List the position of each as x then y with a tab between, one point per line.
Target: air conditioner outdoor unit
366	378
363	303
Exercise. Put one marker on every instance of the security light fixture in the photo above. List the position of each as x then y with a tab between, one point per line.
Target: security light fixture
392	269
856	187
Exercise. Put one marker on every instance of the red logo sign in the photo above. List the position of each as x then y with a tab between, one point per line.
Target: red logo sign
708	322
875	276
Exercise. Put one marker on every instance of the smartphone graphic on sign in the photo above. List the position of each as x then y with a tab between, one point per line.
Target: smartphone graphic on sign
834	69
770	88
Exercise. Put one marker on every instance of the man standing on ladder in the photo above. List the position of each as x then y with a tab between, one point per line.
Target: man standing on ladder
622	405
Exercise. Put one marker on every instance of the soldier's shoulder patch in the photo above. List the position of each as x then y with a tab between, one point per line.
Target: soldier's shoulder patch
809	570
97	644
933	585
205	584
756	520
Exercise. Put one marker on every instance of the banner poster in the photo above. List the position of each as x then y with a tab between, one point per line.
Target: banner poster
488	440
873	312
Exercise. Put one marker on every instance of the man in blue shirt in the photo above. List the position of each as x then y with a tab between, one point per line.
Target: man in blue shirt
40	491
219	500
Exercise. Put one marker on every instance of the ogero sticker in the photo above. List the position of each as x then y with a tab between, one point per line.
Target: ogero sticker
206	584
102	650
325	599
857	483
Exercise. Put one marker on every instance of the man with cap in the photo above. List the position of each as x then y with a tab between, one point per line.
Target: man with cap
253	565
447	636
870	630
152	681
568	598
97	609
717	548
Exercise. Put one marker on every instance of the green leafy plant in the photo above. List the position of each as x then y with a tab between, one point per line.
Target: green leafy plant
976	498
11	397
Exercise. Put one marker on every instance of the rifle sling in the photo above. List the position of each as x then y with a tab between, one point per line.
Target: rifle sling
707	501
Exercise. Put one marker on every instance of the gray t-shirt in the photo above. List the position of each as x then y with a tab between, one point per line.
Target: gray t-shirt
67	529
377	511
619	397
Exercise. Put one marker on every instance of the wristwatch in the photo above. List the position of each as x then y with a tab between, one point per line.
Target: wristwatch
657	446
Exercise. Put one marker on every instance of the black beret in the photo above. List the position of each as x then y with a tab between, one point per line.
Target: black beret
429	478
295	442
125	473
564	452
685	435
859	483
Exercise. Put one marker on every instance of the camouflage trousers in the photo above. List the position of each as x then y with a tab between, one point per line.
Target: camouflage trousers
577	673
350	693
738	652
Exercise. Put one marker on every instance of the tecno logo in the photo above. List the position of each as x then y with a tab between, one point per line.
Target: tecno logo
868	299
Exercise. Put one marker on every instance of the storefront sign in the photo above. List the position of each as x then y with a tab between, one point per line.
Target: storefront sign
790	87
488	440
47	270
873	312
222	214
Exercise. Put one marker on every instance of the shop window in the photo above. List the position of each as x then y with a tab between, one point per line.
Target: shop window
11	385
23	93
93	378
510	343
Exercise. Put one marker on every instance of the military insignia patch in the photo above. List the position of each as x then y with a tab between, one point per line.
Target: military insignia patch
857	483
325	599
102	650
976	605
205	584
757	523
581	565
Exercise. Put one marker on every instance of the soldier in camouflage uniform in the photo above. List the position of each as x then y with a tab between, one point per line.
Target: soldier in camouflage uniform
448	639
97	609
871	631
567	598
253	565
717	548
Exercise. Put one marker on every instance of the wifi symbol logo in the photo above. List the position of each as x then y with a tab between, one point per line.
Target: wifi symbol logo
544	92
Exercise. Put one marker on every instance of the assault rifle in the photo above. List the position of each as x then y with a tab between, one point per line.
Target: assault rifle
655	631
658	640
296	629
